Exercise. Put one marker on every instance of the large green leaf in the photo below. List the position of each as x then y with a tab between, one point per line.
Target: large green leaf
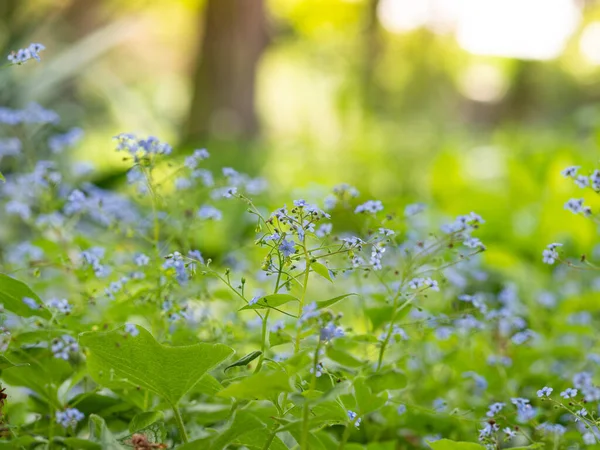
342	357
366	399
271	301
116	357
446	444
262	385
12	293
390	379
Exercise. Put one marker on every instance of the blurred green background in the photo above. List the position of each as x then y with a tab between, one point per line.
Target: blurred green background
461	104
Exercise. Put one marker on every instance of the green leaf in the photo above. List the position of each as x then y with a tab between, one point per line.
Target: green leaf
321	270
116	358
271	301
20	442
208	385
81	444
279	338
332	301
446	444
2	178
314	443
342	358
144	420
6	364
245	360
366	400
391	379
529	447
100	434
379	315
43	376
244	422
388	445
262	385
256	439
12	293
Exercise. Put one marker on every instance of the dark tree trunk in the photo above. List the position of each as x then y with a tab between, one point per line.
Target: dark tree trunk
223	102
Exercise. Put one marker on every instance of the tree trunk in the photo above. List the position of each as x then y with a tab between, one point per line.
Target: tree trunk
223	102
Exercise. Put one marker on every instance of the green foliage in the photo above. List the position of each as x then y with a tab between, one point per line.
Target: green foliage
445	444
12	293
117	359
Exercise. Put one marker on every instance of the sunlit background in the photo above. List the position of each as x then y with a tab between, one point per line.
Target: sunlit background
463	104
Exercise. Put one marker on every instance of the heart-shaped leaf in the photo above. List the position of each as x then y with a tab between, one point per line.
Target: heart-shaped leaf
117	357
12	293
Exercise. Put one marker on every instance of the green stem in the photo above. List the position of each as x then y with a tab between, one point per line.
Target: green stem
269	440
302	299
265	320
306	408
263	347
386	341
180	426
345	437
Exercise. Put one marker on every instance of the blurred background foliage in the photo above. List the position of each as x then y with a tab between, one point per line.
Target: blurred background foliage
461	104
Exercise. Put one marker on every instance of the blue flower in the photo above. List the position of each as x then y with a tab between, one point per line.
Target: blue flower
131	329
69	417
495	408
570	171
207	212
308	312
354	418
63	346
370	207
62	306
413	209
141	260
23	55
544	392
288	248
331	331
575	205
569	393
59	142
31	303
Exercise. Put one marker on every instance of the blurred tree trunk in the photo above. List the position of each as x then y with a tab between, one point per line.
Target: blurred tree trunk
372	50
223	102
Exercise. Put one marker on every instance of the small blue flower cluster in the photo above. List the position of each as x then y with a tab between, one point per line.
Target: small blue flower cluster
23	55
